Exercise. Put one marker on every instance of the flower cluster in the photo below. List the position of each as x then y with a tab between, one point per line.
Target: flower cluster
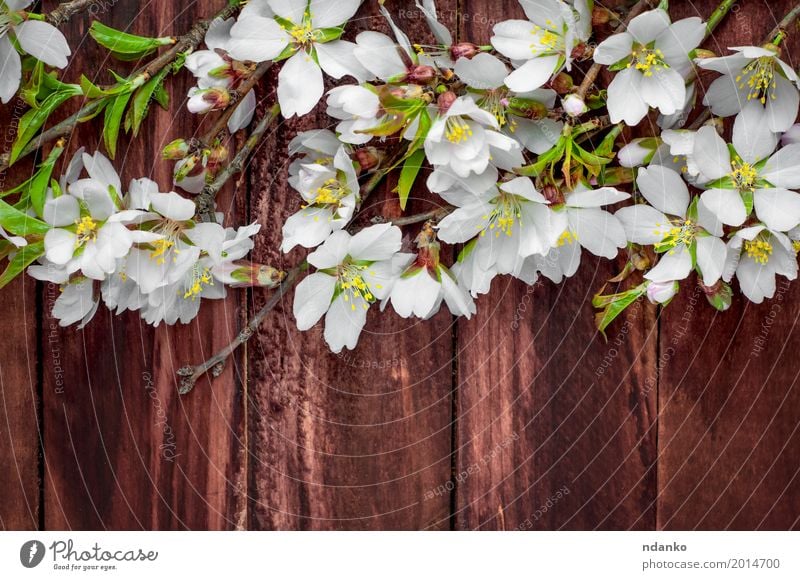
139	250
525	163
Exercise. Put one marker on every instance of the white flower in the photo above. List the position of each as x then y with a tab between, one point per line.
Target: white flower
511	221
205	278
520	116
352	273
667	225
307	32
331	193
210	67
357	108
654	54
425	282
76	303
35	37
754	177
755	255
88	235
754	77
543	43
463	139
419	291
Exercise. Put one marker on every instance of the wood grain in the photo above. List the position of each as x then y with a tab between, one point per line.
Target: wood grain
350	441
521	418
122	450
728	396
556	424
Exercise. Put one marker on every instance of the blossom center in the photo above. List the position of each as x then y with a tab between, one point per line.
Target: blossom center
647	60
161	248
353	287
303	35
759	249
545	40
201	277
566	238
457	130
743	175
330	192
495	101
86	231
502	218
758	77
678	233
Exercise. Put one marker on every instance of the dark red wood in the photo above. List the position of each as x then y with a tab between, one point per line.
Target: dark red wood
522	418
122	450
350	441
729	447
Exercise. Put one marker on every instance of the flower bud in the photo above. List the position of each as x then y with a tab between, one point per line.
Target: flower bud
720	295
600	16
464	50
421	74
185	166
367	158
562	83
573	105
242	275
704	53
216	157
662	292
553	194
206	100
178	149
445	101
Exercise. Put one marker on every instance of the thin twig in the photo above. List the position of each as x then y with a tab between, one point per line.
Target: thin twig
594	70
216	364
434	214
778	33
241	91
187	42
205	200
67	10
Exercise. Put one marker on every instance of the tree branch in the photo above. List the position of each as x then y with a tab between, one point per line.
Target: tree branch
216	364
187	42
205	200
67	10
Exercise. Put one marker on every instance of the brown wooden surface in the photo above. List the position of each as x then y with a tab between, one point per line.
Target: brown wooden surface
521	418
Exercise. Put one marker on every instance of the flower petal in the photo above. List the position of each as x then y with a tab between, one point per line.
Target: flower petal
664	189
43	41
726	204
300	85
312	298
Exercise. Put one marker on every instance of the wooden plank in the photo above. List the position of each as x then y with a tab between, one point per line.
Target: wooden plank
356	441
20	385
729	441
122	450
555	426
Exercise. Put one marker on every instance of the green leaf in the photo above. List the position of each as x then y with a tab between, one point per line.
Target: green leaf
19	223
38	187
161	96
329	34
615	304
123	45
112	121
21	260
34	119
408	175
141	102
